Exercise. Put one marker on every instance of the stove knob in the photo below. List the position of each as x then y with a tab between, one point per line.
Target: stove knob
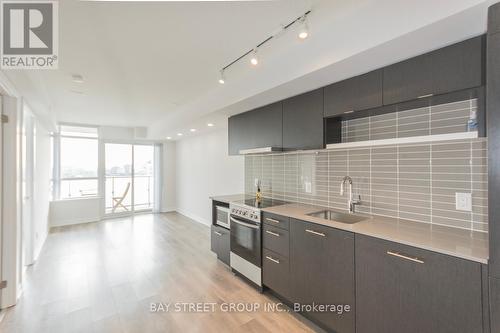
245	213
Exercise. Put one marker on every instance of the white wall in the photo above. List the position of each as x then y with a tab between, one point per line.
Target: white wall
41	186
205	169
168	189
11	202
75	211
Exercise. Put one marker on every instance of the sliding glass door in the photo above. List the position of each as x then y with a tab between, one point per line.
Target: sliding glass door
129	178
143	177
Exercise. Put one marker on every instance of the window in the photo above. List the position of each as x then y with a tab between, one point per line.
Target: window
78	162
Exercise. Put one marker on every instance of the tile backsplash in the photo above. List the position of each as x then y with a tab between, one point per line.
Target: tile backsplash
437	119
409	181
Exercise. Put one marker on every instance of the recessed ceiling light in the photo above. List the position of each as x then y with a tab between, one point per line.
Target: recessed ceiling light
169	138
77	78
349	111
210	125
179	134
193	129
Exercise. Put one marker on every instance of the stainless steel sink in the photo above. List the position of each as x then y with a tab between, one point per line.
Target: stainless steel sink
338	217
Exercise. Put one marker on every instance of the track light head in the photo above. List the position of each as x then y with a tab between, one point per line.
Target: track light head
222	79
254	60
304	28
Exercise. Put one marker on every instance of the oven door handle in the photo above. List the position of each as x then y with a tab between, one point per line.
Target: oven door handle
253	226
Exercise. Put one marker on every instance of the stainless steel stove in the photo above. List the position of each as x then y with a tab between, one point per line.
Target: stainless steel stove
246	235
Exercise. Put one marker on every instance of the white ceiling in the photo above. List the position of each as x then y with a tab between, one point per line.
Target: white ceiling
156	64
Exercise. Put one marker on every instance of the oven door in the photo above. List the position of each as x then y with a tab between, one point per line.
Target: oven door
245	240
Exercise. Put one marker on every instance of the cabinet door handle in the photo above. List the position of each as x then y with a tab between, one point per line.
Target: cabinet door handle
217	233
315	233
272	259
402	256
272	220
424	96
272	233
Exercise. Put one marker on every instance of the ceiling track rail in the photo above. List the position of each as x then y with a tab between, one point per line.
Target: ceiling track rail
285	27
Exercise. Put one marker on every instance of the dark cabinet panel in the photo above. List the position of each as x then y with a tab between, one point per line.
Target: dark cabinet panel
493	130
276	273
322	272
495	304
262	127
339	97
219	241
358	93
456	67
408	79
403	289
276	220
303	121
494	18
276	240
459	66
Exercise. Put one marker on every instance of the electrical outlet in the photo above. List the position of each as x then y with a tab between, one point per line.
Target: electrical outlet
308	187
463	201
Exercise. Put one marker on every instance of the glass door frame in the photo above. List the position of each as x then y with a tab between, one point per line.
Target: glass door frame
102	177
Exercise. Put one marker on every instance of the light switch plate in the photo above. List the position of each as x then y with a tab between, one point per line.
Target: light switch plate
463	201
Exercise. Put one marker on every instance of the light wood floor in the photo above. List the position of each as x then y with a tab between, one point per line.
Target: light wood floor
102	277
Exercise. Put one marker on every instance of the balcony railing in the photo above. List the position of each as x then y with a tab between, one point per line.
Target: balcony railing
119	189
115	191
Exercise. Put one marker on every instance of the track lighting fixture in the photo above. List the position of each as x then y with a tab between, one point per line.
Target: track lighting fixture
304	29
222	79
254	60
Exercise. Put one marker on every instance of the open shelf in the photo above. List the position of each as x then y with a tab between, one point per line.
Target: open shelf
408	140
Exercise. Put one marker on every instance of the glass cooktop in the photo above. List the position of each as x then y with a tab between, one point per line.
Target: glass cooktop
263	203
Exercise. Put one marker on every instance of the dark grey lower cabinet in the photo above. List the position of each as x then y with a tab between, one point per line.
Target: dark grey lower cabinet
219	241
276	273
494	289
404	289
322	273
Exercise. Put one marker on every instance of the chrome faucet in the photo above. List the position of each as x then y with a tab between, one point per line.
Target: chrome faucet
351	203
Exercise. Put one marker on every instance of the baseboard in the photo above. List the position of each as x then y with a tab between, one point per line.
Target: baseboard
194	217
168	209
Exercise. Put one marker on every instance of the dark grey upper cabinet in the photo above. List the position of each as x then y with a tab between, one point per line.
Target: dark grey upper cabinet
455	67
408	79
494	19
358	93
322	272
395	293
459	66
303	121
259	128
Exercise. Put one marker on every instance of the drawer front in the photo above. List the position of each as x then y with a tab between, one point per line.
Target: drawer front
276	273
276	240
219	240
278	221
